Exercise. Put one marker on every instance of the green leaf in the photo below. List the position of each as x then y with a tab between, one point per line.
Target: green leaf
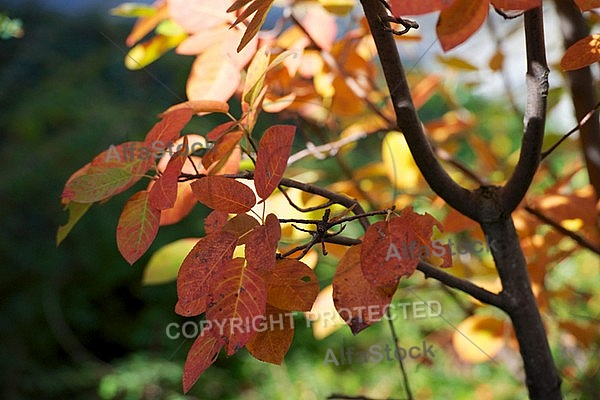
76	211
164	264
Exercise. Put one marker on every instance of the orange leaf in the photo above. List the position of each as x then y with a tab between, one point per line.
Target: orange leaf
478	338
274	336
261	244
213	77
241	225
138	226
197	270
271	160
222	148
224	194
198	15
516	4
586	5
582	53
168	129
145	25
201	106
459	21
352	293
238	297
202	355
164	192
416	7
215	221
220	130
292	286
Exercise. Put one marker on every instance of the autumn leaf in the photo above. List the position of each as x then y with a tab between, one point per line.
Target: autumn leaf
274	337
478	338
220	130
292	286
213	77
222	148
197	270
255	77
586	5
146	24
352	293
261	245
76	211
145	53
241	225
582	53
459	21
202	355
224	194
200	106
516	4
215	221
416	7
260	8
164	264
168	129
274	150
237	297
137	227
198	15
164	192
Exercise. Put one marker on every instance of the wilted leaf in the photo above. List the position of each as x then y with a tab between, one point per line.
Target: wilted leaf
165	262
76	211
137	227
273	152
197	270
224	194
238	296
352	293
274	337
485	338
582	53
202	355
292	286
459	21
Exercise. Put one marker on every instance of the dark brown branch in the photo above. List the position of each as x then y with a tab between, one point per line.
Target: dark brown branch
583	87
407	119
535	112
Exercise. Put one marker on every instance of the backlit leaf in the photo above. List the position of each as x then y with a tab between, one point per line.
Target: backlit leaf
147	52
164	264
137	227
222	148
274	336
220	130
255	77
582	53
145	25
76	211
459	21
202	355
273	152
416	7
400	166
292	286
262	8
201	106
164	192
224	194
238	296
338	7
323	316
196	273
168	128
213	77
97	184
478	338
352	293
198	15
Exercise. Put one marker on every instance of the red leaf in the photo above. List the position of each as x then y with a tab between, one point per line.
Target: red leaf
241	225
197	269
516	4
202	355
238	297
353	295
582	53
292	286
222	148
273	152
459	21
274	336
138	226
168	129
220	130
261	244
201	106
224	194
164	192
215	221
416	7
586	5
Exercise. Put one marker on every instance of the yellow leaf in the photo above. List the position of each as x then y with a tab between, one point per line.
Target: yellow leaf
399	164
338	7
165	262
478	338
151	50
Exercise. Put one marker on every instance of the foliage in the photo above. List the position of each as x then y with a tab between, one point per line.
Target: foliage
248	266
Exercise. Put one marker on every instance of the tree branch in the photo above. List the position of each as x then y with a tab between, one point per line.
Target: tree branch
407	119
535	112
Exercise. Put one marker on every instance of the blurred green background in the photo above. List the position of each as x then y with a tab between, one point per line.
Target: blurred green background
75	321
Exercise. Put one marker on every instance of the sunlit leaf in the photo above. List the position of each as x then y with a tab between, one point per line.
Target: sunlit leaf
292	286
338	7
222	148
274	150
137	227
164	264
224	194
404	7
459	21
146	24
478	338
582	53
400	166
151	50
